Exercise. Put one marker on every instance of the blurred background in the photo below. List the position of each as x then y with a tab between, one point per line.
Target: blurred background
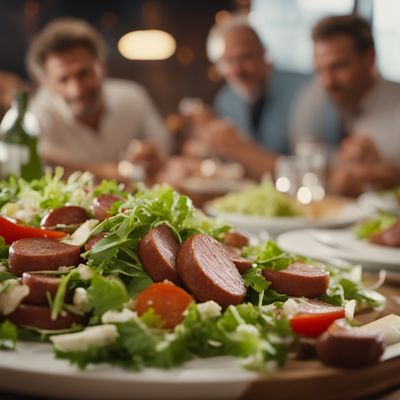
186	72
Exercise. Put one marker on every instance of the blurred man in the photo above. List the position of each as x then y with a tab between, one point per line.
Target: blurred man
349	103
249	126
256	98
88	121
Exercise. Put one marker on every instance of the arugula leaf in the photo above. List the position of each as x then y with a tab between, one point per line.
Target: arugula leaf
30	201
109	186
346	289
5	275
8	190
117	253
106	293
58	302
269	256
3	248
110	354
8	335
243	331
254	279
265	256
374	225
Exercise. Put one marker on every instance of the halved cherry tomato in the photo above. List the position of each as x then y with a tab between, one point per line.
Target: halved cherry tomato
314	324
167	300
12	232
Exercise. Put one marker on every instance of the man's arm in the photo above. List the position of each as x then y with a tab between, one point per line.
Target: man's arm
103	170
228	143
361	167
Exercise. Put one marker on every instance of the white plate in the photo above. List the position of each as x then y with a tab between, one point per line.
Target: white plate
33	369
339	243
379	201
274	225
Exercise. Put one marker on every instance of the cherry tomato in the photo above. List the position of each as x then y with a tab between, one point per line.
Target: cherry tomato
314	324
12	232
167	300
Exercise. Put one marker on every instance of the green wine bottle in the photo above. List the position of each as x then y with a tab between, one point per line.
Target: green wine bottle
18	142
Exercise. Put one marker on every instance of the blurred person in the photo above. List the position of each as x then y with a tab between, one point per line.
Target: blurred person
256	98
200	135
9	84
350	104
87	121
203	135
249	122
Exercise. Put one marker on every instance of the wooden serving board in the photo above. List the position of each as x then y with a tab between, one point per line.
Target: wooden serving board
312	380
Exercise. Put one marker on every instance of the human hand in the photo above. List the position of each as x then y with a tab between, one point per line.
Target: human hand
351	180
223	138
177	169
146	154
358	148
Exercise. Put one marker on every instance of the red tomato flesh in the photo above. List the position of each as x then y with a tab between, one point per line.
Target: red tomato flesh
12	232
313	325
167	300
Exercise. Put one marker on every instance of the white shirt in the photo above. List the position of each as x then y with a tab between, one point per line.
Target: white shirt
129	114
377	116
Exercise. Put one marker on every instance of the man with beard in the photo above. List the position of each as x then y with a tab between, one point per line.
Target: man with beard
249	122
88	121
349	103
257	98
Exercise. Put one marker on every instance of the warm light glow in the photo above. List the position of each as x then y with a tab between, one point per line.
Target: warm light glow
222	15
147	45
304	195
283	184
318	193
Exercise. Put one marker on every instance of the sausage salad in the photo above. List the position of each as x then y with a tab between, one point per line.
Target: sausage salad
144	279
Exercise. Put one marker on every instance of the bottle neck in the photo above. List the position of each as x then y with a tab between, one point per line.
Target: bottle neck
20	105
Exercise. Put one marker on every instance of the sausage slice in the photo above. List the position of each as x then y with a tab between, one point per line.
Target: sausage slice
39	286
39	254
40	317
68	215
299	280
94	239
102	205
389	237
242	264
157	252
208	272
235	239
344	346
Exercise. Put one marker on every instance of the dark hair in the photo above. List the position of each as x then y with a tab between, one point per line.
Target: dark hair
61	35
353	26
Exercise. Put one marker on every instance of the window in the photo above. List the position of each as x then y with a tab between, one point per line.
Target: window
285	27
386	26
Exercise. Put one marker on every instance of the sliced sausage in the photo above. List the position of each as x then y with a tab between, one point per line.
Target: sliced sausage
40	254
299	280
68	215
389	237
40	317
94	239
102	205
208	272
317	307
344	346
39	286
157	252
242	264
235	239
